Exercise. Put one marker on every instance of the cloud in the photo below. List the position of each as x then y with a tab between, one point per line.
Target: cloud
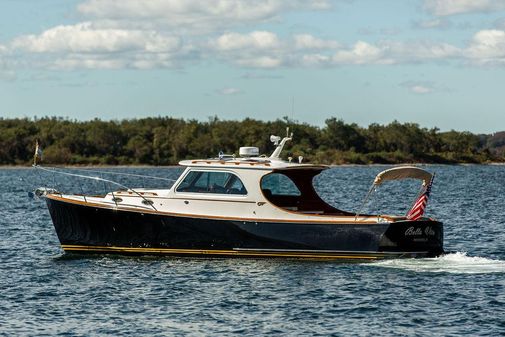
421	51
229	91
133	34
267	50
257	49
452	7
110	40
487	47
255	40
419	88
84	45
195	15
88	46
361	53
260	62
307	41
385	52
261	49
315	60
86	38
433	24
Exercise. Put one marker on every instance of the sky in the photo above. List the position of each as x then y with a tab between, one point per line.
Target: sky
438	63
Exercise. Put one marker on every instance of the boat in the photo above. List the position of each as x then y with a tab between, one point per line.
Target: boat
241	206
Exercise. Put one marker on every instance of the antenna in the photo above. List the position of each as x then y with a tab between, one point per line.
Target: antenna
293	108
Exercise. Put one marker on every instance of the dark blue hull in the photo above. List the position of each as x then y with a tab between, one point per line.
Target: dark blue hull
87	229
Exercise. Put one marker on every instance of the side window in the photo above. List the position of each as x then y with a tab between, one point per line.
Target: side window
212	182
189	182
279	184
202	181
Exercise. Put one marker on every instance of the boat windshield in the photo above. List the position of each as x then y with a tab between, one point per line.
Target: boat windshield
212	182
293	190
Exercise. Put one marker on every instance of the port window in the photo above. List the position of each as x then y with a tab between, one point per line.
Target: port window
279	184
212	182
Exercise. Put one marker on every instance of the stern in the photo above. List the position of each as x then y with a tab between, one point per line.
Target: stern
419	236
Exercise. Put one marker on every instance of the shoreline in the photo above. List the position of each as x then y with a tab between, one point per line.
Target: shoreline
6	167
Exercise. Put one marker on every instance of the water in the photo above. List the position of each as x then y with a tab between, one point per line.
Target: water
44	292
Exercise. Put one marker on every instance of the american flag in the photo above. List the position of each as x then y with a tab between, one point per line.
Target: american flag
417	210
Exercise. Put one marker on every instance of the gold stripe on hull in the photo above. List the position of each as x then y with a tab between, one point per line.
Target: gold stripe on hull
236	253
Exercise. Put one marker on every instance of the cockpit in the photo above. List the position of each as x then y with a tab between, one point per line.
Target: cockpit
293	190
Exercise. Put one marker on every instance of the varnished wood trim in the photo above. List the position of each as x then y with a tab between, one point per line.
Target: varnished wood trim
150	211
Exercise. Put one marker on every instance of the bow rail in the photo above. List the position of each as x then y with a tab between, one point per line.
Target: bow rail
55	170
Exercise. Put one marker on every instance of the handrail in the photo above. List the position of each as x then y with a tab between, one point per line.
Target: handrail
54	170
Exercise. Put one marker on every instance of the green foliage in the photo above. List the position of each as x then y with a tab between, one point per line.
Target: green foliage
165	141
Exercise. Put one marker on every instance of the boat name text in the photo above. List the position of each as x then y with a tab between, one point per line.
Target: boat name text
411	231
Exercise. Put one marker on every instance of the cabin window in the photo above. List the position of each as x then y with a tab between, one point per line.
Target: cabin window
279	184
212	182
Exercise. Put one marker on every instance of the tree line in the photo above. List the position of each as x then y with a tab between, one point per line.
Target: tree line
166	140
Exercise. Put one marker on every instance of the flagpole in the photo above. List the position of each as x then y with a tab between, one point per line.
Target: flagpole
36	154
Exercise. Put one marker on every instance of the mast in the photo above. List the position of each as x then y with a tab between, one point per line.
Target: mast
280	146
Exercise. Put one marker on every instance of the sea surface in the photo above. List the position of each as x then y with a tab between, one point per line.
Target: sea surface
44	292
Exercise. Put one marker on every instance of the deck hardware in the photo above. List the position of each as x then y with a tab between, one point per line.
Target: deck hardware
147	202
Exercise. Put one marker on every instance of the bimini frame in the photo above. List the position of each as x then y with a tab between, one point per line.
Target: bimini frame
397	173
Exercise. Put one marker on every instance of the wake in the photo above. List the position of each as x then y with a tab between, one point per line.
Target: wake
456	263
